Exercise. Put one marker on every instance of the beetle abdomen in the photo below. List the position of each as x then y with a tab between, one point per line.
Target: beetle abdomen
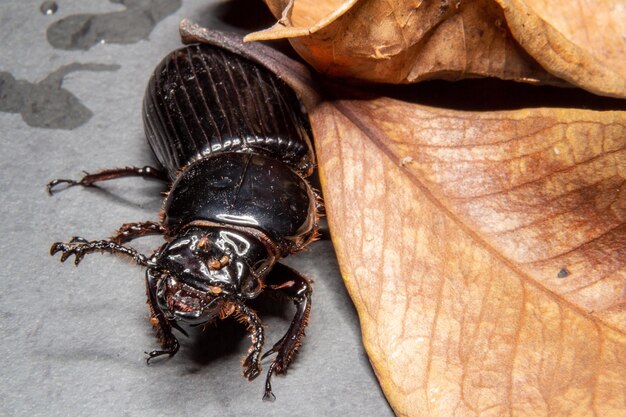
203	100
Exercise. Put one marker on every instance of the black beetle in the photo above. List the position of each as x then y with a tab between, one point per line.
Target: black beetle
232	139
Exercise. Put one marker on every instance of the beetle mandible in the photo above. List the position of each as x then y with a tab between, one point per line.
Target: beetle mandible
231	138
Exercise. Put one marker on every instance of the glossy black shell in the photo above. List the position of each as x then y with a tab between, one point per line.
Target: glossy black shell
203	100
248	190
233	137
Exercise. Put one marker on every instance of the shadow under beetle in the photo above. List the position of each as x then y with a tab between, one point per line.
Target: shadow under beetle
231	138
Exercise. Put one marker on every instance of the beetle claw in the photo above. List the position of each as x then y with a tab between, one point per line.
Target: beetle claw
55	248
252	372
76	246
52	184
155	354
269	396
64	256
270	352
251	367
171	351
277	348
78	257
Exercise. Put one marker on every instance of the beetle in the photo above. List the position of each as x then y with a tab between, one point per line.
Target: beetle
231	139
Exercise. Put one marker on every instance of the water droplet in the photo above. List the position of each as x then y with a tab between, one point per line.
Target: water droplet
49	7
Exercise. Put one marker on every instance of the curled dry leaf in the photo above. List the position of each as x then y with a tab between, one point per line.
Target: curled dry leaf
485	253
408	41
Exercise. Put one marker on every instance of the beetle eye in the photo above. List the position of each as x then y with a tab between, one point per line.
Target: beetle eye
251	288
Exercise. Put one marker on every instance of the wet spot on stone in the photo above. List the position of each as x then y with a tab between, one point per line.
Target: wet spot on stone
49	7
82	31
46	103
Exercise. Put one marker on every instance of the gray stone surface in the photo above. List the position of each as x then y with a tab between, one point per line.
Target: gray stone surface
73	338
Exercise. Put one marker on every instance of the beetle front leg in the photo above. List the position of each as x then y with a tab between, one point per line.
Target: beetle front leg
162	326
245	314
89	180
297	288
80	247
131	231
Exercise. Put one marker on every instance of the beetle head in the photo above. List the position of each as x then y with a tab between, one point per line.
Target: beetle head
201	274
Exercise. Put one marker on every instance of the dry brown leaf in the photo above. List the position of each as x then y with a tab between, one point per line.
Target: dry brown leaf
408	41
485	251
452	228
581	42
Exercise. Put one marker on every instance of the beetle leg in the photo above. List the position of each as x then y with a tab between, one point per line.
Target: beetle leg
130	231
108	174
245	314
162	326
79	247
297	288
